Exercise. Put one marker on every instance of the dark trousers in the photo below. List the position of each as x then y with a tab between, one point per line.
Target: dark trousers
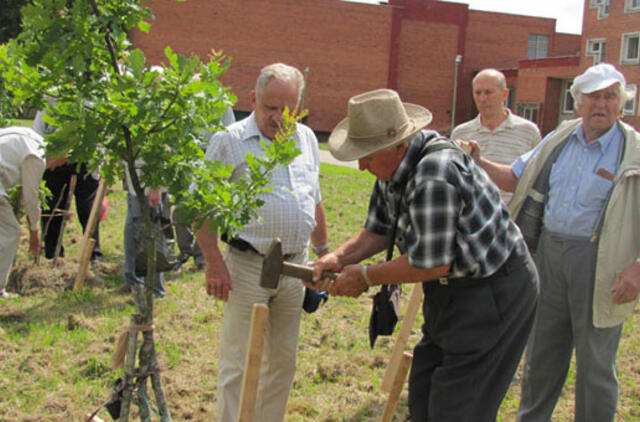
85	193
474	335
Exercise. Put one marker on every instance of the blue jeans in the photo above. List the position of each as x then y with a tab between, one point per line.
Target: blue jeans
130	278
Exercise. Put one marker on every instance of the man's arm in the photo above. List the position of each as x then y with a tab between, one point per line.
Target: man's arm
319	236
31	171
501	174
217	278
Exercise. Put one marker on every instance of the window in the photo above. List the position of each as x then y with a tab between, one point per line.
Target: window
630	45
567	98
632	6
537	46
529	111
595	48
510	97
603	7
630	106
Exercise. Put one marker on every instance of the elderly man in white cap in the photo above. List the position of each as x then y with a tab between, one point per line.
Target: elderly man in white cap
21	162
577	199
456	238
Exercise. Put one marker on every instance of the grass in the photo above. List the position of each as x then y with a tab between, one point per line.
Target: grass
56	345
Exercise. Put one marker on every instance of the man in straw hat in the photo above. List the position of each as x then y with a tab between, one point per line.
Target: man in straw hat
456	237
577	198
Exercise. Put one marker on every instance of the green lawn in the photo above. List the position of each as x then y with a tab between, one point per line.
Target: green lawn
55	345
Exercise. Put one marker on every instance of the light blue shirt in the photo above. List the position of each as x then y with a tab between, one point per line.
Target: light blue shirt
577	193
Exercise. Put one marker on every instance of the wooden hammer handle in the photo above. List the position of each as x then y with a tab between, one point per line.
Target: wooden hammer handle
304	272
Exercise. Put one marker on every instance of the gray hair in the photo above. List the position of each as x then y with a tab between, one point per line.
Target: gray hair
496	74
281	72
624	95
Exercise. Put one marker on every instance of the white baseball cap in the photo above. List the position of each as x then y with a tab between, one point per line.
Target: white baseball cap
595	78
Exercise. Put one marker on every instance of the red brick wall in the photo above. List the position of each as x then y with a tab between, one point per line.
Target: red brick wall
565	45
345	45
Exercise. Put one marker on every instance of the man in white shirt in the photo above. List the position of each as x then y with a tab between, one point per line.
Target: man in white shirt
21	162
292	211
501	135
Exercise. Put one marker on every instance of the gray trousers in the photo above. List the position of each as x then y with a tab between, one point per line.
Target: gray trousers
564	321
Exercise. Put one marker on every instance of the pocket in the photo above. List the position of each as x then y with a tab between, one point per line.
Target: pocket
594	191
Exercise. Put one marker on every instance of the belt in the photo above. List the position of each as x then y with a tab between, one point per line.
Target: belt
514	262
244	246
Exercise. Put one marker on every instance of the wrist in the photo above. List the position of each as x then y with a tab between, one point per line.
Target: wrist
365	276
321	249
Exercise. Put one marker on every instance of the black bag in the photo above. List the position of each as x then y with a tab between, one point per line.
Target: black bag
385	312
166	259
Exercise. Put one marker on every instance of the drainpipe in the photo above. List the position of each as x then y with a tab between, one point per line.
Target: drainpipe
455	92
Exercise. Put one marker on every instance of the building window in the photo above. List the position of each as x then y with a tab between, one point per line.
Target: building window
567	98
596	48
630	106
537	46
529	111
630	45
632	6
603	7
512	93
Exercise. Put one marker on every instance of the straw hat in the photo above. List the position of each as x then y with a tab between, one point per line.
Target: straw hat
376	120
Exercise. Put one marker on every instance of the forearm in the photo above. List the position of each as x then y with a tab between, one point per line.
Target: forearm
319	236
501	174
359	247
208	242
400	271
31	170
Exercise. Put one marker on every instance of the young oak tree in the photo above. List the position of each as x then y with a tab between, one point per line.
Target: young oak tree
112	107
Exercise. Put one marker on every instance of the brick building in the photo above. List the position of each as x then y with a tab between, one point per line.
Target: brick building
407	45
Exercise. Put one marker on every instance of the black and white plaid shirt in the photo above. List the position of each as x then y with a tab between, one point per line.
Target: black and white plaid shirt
451	212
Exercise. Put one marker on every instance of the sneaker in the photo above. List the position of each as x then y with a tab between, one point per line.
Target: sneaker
6	295
122	290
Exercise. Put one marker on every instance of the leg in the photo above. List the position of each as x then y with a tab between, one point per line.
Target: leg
544	377
55	180
244	268
281	346
596	348
9	240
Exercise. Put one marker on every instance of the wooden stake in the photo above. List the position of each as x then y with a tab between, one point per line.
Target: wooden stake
396	389
84	264
403	337
252	362
87	246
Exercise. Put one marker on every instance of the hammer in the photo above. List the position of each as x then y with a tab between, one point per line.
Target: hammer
274	265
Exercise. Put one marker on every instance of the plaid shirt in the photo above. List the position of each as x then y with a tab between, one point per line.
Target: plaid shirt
451	212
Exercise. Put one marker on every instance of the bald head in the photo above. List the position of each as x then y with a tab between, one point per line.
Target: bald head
490	93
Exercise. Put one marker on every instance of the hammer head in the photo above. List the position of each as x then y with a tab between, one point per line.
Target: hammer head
272	265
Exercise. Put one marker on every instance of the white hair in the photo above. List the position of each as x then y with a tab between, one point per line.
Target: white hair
624	95
281	72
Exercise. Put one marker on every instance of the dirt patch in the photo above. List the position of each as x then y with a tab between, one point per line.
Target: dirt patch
28	278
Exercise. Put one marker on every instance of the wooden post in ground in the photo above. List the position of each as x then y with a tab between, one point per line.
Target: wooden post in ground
86	248
396	388
252	362
403	337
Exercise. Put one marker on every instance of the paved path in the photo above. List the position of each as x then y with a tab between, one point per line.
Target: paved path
326	157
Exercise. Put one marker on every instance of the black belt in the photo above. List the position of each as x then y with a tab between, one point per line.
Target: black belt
244	246
514	262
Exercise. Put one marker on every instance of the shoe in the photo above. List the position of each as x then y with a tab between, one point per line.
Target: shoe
6	295
122	290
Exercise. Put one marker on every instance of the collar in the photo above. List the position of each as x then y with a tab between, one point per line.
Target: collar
603	142
506	123
407	164
251	129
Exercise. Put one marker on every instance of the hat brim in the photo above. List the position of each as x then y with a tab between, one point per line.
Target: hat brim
344	148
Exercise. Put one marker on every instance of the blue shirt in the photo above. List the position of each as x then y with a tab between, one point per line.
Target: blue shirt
577	188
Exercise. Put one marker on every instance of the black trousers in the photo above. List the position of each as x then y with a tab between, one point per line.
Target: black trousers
474	335
85	193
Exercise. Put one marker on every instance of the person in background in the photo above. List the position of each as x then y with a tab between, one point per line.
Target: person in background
292	211
21	163
501	135
577	201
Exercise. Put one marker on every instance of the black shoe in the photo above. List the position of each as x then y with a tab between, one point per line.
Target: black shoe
313	299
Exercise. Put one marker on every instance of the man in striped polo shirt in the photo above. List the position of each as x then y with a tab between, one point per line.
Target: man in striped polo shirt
502	136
